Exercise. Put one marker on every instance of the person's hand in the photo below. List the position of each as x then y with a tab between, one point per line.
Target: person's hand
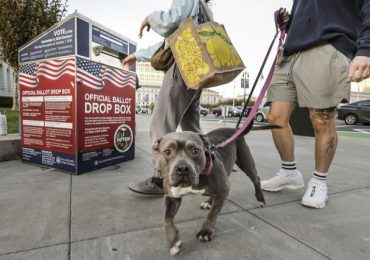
129	61
283	17
144	24
359	69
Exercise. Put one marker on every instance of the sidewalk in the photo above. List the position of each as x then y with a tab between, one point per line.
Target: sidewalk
46	214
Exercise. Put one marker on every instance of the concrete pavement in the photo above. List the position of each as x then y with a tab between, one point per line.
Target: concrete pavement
47	214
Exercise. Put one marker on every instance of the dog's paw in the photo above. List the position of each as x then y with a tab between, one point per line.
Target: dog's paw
206	205
260	197
175	249
205	235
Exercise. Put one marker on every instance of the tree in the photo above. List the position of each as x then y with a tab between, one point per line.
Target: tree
21	21
237	102
210	106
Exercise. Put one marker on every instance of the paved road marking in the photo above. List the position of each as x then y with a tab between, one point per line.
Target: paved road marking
366	131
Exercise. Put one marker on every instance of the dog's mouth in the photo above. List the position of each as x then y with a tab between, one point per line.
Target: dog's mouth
182	182
182	185
182	174
176	180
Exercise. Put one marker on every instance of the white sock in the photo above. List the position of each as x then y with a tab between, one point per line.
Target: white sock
289	169
320	176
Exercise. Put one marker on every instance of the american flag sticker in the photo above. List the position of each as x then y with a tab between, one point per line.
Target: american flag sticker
30	73
95	75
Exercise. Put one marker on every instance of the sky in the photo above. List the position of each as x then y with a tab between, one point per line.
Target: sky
249	23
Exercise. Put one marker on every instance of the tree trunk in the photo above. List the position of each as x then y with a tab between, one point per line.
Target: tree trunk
16	91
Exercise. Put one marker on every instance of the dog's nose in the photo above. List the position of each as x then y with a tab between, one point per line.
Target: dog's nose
183	170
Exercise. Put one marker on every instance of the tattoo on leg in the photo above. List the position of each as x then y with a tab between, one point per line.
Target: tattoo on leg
325	113
330	145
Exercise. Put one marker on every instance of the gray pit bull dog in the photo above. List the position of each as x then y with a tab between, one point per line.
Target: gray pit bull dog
182	159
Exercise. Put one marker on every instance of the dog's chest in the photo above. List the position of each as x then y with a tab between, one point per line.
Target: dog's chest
178	192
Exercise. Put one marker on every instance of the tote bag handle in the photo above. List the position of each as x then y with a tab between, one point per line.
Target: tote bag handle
204	8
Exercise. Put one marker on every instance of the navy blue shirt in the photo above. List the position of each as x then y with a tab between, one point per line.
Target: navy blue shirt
343	23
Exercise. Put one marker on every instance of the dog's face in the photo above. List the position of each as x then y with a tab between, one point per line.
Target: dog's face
181	157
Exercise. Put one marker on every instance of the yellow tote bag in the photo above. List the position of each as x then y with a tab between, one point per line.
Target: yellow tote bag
204	53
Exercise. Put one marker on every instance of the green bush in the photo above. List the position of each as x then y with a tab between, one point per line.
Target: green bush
12	120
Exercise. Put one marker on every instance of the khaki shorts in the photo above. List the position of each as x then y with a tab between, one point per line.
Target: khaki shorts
315	78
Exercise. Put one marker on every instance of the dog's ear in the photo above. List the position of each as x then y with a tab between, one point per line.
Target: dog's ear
205	139
155	145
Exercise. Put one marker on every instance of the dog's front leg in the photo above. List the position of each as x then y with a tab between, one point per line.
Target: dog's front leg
172	234
208	227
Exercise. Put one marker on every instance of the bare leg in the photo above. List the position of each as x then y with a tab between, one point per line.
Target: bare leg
283	137
326	138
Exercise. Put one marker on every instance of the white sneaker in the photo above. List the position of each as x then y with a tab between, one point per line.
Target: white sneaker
316	194
281	181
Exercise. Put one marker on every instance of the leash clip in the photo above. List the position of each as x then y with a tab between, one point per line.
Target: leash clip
212	148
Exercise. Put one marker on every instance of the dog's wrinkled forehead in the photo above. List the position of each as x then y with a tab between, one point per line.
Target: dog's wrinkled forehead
181	139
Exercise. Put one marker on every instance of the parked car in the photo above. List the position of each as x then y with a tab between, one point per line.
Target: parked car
357	112
246	110
142	110
229	110
262	112
232	111
217	111
203	111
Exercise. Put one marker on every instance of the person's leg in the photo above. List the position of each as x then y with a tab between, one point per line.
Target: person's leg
175	104
321	79
191	119
279	114
326	140
283	94
288	177
173	101
153	185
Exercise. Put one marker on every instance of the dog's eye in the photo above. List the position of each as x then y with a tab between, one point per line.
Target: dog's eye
168	152
195	151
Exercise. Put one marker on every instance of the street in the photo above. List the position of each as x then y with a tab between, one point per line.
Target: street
341	126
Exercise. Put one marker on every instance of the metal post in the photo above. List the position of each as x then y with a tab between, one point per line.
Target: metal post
234	95
244	85
358	91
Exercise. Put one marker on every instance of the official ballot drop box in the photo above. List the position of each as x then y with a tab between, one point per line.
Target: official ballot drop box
77	104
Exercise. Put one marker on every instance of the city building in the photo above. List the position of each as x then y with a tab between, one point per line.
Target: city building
150	81
210	97
6	79
360	91
147	75
364	86
146	95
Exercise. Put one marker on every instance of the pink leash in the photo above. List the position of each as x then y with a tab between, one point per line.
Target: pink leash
256	105
209	163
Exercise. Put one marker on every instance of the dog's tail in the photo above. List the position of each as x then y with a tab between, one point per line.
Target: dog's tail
251	127
265	127
219	135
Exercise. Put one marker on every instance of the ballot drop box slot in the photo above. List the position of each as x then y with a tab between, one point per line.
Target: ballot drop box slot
77	104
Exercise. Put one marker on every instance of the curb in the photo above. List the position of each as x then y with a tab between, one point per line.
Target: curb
10	147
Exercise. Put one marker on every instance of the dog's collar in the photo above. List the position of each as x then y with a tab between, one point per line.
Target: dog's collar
209	162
